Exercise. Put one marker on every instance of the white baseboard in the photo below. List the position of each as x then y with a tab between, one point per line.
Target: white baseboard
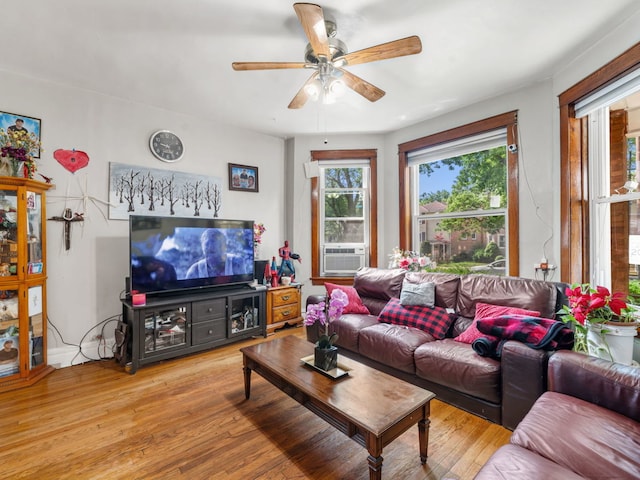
67	355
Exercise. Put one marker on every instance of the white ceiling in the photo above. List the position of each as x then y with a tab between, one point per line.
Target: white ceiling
177	54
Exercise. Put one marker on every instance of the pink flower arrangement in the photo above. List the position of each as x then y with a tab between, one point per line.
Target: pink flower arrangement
408	260
258	230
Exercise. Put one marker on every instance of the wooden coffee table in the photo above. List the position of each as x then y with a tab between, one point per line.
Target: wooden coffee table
367	405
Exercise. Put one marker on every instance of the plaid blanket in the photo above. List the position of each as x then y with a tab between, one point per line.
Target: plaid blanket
535	332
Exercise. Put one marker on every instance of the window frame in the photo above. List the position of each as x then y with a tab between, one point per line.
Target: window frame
506	120
371	155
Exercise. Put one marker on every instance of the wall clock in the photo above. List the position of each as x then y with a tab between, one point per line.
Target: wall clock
166	146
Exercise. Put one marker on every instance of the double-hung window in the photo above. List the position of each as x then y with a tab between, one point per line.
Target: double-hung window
343	206
460	196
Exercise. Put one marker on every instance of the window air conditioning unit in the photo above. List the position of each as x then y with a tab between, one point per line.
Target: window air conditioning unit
343	260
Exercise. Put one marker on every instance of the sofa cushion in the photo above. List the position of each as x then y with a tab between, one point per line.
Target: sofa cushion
433	320
418	293
392	345
587	439
446	286
511	462
355	303
508	291
348	328
456	365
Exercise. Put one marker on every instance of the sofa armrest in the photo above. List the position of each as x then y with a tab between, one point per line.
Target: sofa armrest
312	299
610	385
524	379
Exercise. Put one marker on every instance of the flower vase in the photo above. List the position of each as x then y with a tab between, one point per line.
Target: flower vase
17	168
612	341
256	251
326	358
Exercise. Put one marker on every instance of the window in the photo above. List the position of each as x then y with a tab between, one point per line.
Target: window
613	201
460	191
344	207
598	225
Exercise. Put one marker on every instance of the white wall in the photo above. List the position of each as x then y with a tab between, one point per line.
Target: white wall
85	283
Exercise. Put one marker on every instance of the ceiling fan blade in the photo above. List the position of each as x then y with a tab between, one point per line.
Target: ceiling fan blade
364	88
303	95
395	48
266	65
312	20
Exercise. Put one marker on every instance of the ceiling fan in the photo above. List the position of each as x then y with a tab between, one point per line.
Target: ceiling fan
327	56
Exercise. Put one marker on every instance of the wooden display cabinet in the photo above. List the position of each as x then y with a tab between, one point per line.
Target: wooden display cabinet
283	307
23	275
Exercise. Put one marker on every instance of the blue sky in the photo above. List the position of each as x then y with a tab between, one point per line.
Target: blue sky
441	179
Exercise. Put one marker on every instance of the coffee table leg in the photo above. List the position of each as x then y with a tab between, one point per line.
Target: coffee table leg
423	434
375	467
247	379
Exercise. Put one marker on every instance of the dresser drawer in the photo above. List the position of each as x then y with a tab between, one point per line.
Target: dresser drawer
286	297
286	312
208	310
206	332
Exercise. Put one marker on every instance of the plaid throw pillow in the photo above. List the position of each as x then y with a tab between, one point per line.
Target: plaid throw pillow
433	320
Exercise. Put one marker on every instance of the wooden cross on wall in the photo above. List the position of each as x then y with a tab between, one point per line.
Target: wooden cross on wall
67	217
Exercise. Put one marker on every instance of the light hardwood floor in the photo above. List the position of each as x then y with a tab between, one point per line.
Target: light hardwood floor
188	418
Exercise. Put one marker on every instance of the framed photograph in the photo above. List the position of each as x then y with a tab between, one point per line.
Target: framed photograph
243	178
12	121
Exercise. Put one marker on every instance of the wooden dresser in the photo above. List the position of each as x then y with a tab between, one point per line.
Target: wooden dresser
283	307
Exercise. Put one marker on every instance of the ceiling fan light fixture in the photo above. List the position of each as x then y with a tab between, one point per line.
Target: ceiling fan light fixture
337	87
313	89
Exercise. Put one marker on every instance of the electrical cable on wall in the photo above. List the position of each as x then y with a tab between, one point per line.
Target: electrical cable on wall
101	341
533	200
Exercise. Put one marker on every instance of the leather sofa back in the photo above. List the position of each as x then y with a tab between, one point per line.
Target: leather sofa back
506	291
461	292
376	286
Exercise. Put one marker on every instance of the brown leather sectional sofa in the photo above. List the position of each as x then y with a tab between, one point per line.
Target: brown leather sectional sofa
502	391
586	426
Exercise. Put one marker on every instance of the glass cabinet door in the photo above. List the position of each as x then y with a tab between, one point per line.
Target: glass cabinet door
8	233
36	326
9	332
164	329
34	233
245	313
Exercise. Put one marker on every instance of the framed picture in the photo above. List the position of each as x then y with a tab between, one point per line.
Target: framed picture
243	178
12	121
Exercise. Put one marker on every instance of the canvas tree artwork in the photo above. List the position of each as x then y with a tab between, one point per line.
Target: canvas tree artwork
152	191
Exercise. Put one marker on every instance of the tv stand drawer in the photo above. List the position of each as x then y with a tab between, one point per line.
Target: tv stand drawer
206	332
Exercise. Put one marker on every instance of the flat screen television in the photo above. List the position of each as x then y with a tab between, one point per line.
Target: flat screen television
168	254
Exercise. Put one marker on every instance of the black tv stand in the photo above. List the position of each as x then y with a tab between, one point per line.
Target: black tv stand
176	324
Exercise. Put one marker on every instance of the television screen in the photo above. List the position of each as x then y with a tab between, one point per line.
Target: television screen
168	254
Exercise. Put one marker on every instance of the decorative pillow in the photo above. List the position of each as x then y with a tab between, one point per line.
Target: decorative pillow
486	310
433	320
355	304
418	293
